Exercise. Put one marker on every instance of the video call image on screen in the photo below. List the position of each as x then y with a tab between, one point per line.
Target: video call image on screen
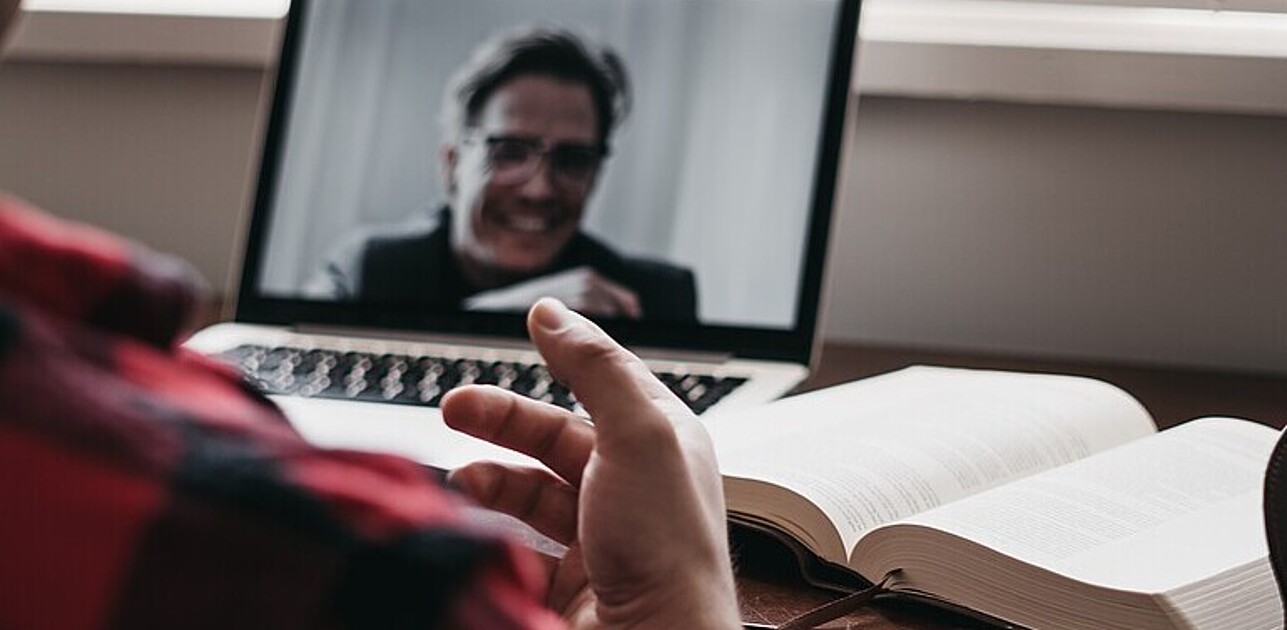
640	159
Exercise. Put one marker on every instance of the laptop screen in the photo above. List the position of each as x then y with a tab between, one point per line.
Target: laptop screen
665	167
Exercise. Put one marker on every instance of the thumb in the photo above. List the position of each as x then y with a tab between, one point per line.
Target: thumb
614	386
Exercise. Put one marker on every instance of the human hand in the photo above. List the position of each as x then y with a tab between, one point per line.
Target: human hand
636	495
581	288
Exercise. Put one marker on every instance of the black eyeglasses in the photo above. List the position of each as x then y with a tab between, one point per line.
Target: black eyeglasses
513	160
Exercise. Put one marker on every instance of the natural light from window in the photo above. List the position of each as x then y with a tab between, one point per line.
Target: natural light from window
277	8
214	8
1104	26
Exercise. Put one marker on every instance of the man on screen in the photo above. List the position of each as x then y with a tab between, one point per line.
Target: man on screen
529	121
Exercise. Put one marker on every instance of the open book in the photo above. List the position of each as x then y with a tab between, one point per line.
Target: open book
1039	500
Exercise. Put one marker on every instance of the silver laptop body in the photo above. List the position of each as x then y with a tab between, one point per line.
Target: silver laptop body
723	173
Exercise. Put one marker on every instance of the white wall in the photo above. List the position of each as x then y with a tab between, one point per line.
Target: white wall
1131	235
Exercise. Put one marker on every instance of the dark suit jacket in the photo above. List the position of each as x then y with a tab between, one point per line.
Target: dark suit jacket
414	265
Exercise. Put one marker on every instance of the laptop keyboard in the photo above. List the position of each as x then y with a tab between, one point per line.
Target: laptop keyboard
423	380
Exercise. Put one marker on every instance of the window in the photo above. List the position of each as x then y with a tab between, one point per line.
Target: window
213	8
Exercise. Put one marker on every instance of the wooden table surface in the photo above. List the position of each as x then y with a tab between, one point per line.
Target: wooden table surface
771	588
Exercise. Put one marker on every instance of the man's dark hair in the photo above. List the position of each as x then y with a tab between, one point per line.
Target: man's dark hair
538	51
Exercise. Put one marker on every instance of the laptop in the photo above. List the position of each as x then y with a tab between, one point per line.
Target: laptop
430	168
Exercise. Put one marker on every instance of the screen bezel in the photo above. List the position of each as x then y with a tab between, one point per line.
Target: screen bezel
795	345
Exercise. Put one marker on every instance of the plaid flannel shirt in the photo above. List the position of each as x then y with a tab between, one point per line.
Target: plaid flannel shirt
144	486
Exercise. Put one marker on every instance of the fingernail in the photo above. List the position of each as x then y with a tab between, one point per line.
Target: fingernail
550	314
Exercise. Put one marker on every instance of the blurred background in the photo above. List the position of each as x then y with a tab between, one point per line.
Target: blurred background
1094	180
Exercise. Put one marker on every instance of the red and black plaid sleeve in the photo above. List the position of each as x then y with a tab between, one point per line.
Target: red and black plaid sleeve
145	487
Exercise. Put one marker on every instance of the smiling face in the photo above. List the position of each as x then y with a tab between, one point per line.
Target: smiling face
504	230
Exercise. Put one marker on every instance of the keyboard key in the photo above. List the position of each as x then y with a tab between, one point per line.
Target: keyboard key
423	381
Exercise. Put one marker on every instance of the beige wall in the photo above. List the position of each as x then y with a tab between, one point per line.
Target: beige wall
1142	236
1139	236
157	153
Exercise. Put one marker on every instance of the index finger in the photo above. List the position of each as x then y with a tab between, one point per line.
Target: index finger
553	436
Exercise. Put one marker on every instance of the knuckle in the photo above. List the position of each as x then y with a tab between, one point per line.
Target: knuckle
530	502
657	436
494	484
547	442
507	419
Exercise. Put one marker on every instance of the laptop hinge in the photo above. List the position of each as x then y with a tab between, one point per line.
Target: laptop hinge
682	356
507	343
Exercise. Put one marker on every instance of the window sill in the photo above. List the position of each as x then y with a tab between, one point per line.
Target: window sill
996	50
1076	54
69	35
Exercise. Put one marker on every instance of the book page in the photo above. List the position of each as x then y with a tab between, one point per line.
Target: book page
1151	516
884	448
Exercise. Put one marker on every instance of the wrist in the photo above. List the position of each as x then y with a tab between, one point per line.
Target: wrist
697	604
